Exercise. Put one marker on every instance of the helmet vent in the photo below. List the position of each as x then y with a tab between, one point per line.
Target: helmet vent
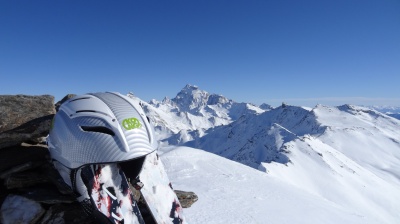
82	98
91	111
99	129
81	111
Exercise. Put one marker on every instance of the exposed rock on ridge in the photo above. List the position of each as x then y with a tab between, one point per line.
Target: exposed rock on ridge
24	118
16	110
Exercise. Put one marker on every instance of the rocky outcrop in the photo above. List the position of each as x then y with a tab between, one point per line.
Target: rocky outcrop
16	110
17	209
24	118
30	187
186	199
67	97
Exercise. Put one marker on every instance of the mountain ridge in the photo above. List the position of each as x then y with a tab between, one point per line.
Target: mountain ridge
347	154
194	109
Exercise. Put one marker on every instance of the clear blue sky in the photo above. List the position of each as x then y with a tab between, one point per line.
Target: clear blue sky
302	52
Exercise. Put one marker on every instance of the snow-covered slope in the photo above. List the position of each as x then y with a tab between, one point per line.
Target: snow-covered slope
253	139
385	109
397	116
388	110
230	192
347	158
192	111
348	155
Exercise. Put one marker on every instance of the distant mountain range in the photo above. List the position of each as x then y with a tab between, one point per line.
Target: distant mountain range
388	110
256	136
348	154
193	111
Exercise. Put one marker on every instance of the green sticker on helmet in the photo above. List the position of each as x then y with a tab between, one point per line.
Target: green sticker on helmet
131	123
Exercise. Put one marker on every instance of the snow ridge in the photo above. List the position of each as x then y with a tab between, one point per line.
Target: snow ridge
193	111
388	110
346	155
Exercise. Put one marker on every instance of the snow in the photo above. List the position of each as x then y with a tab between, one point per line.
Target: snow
193	109
388	110
339	179
322	164
230	192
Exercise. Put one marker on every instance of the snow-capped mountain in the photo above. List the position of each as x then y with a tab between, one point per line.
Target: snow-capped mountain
193	111
258	138
337	153
397	116
388	110
346	155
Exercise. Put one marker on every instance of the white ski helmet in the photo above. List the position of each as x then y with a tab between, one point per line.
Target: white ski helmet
100	128
98	143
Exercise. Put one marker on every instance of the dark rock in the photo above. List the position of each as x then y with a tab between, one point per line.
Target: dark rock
18	155
24	118
67	97
20	168
56	179
66	213
3	192
46	194
18	209
25	179
16	110
186	198
33	131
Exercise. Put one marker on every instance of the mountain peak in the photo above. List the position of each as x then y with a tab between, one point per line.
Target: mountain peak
265	106
190	87
191	97
190	90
